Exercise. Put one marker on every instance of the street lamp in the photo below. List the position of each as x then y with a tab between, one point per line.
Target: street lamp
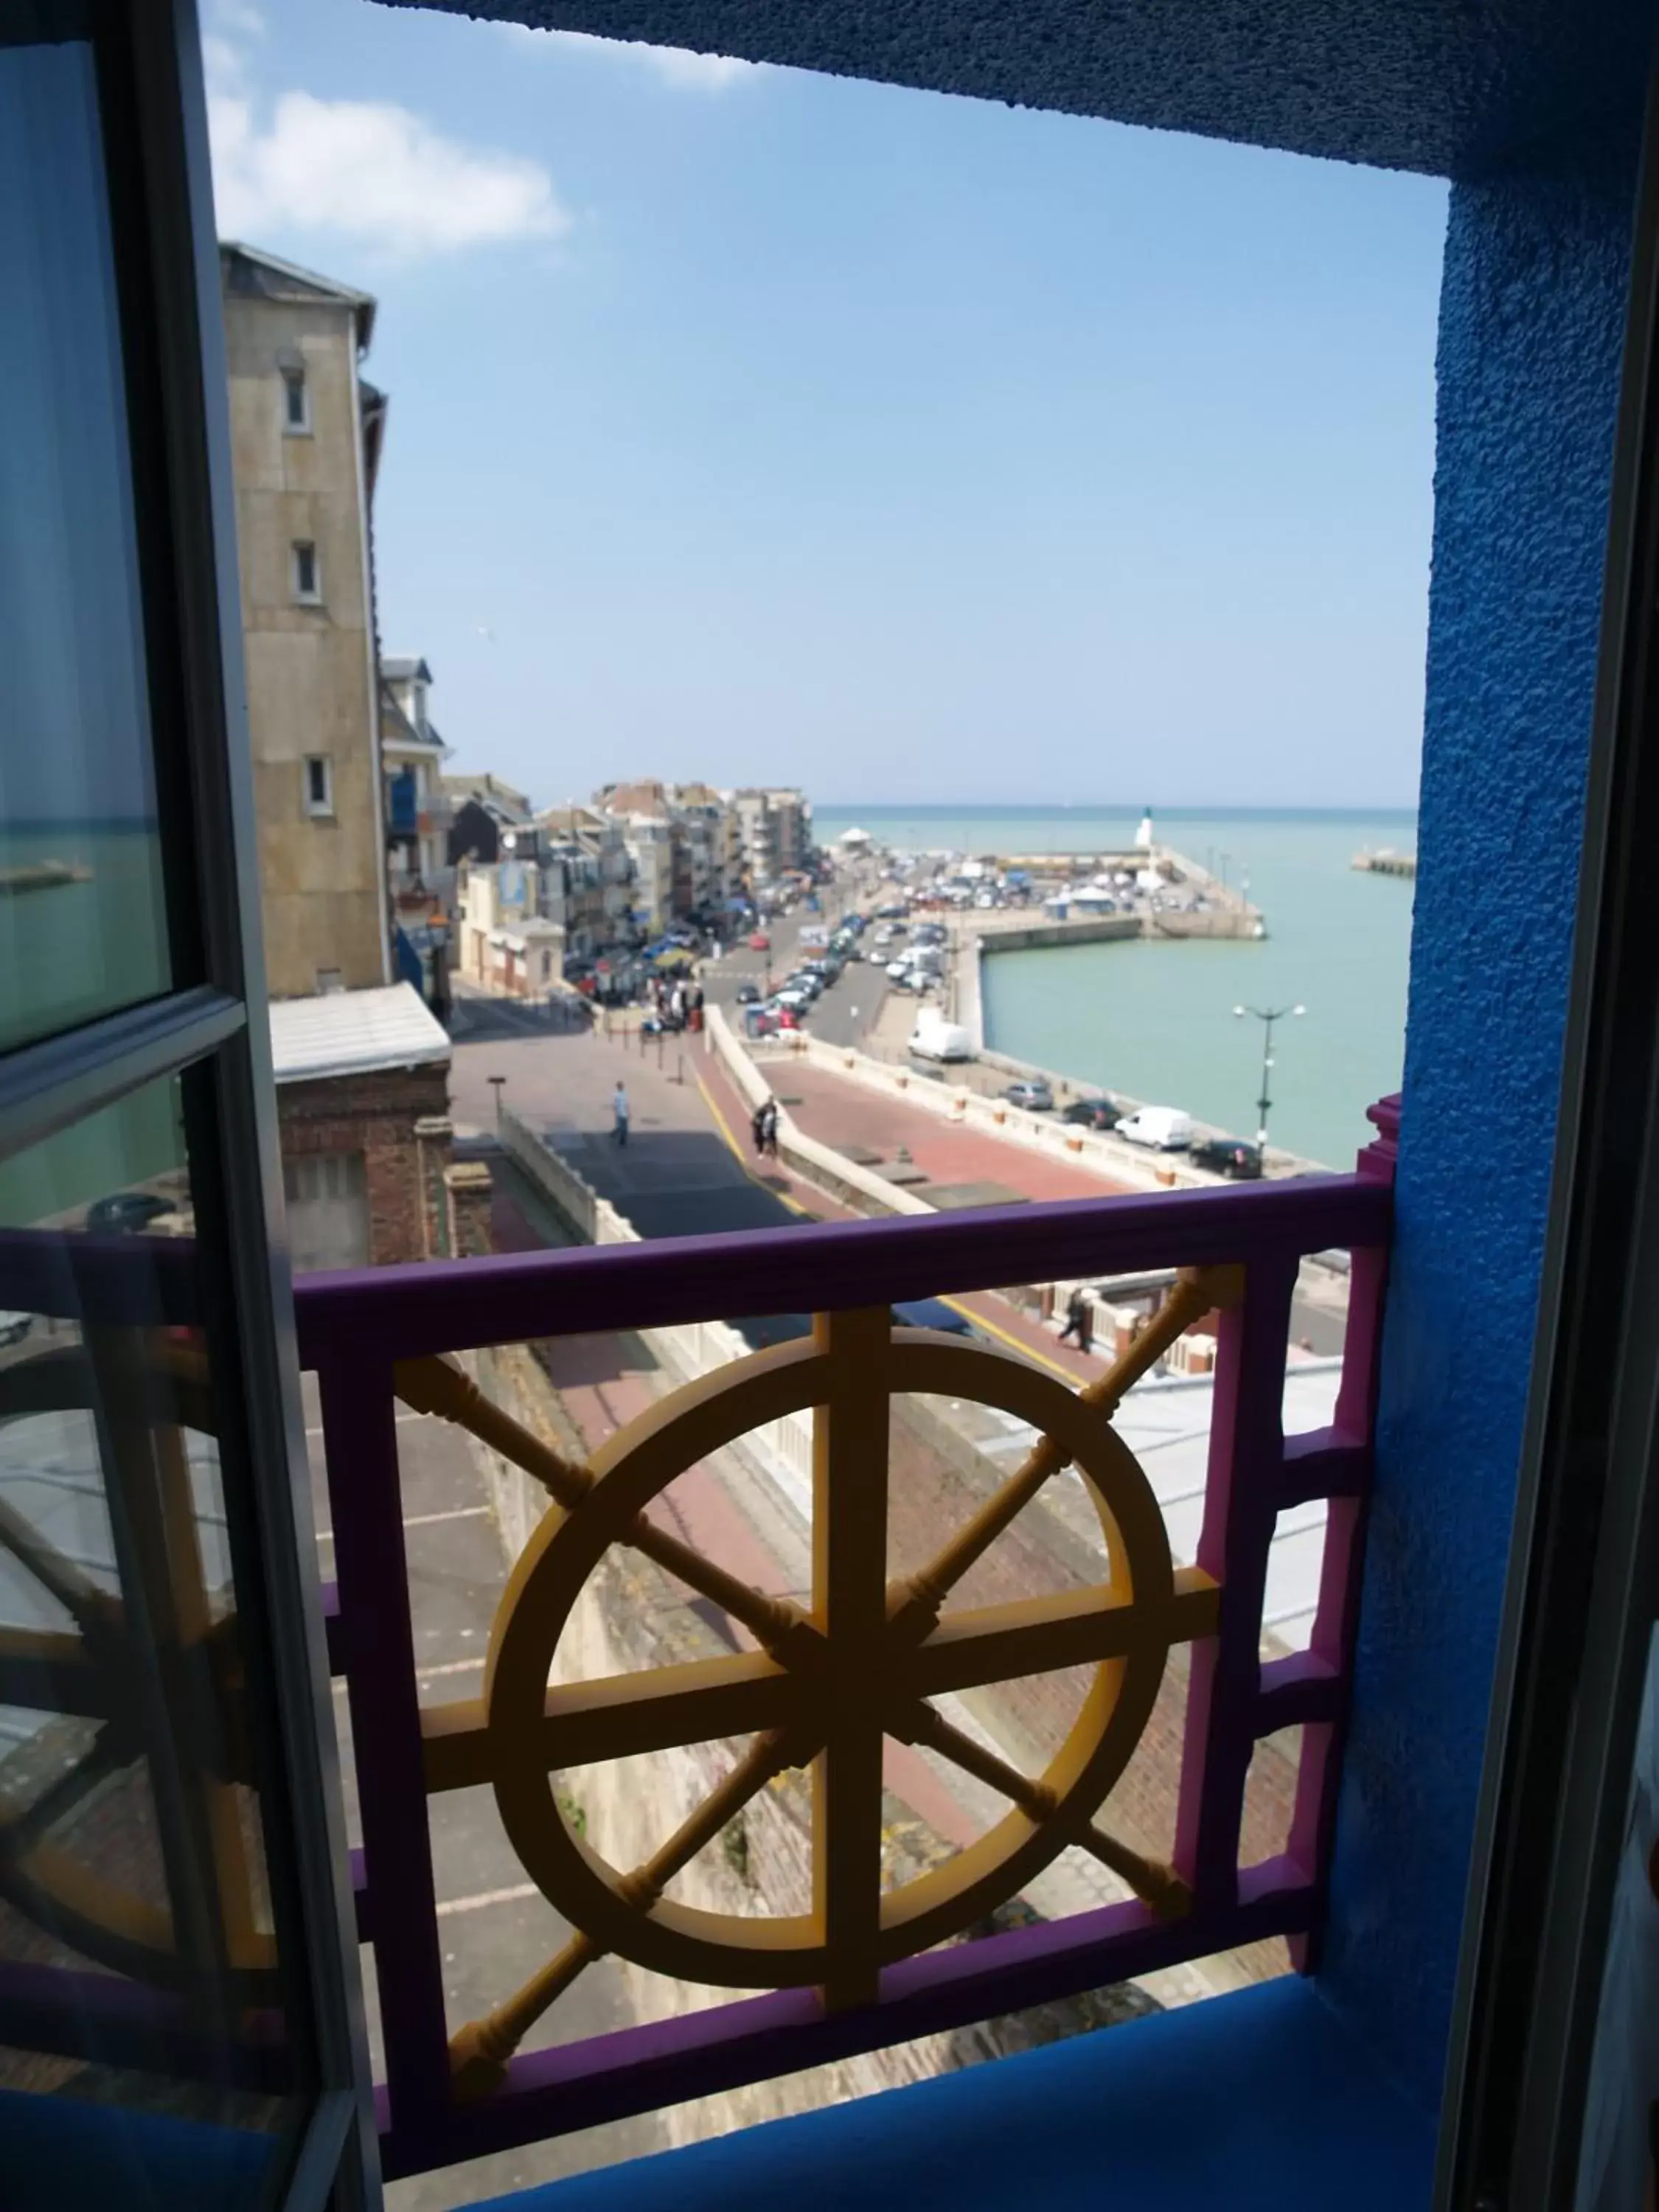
497	1083
1267	1016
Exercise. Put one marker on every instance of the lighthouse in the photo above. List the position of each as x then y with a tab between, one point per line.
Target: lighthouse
1144	834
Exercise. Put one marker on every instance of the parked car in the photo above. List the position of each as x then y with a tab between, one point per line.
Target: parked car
1228	1155
1165	1129
760	942
748	994
935	1039
1091	1114
127	1211
1031	1092
13	1328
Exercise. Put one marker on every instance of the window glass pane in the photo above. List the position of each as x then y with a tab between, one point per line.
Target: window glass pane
139	1960
82	928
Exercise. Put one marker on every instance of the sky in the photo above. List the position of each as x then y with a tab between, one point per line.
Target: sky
756	426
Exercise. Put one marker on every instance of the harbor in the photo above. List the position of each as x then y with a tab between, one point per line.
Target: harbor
1135	1014
1386	864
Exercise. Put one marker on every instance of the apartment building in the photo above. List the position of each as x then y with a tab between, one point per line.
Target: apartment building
338	747
306	433
419	808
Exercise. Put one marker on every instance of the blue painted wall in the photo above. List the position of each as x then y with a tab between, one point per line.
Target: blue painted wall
1530	335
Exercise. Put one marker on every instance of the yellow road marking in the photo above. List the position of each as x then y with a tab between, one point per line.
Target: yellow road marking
979	1321
723	1126
1017	1344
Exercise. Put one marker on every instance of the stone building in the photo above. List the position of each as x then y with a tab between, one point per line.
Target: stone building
306	433
347	776
363	1098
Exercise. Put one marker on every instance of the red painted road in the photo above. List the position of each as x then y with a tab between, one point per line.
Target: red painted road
839	1112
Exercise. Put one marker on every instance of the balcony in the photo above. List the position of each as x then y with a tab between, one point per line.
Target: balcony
817	1684
402	810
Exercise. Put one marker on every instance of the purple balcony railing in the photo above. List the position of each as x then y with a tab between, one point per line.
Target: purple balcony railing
855	1976
826	1680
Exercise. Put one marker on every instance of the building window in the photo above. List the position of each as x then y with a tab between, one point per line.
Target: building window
296	402
307	576
320	784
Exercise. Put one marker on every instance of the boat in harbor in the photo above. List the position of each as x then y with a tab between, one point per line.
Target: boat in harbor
41	875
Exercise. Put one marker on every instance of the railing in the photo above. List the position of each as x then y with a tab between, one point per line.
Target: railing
860	1661
828	1681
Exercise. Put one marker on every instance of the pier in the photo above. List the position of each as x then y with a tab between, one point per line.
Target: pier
1386	864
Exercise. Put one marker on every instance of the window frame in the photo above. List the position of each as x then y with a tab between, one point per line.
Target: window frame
318	810
212	1026
294	378
299	549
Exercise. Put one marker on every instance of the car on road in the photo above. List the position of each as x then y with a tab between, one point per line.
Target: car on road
1229	1156
127	1211
1165	1129
13	1328
759	941
748	994
1031	1092
1091	1114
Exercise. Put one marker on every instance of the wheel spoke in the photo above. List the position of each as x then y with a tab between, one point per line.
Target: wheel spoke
22	1831
80	1597
617	1717
437	1385
1160	1886
1036	1636
850	1591
914	1603
479	2051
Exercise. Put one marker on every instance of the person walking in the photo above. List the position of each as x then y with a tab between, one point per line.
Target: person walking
1080	1323
769	1128
619	1114
757	1129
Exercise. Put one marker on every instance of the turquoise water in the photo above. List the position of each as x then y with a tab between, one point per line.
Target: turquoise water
1156	1020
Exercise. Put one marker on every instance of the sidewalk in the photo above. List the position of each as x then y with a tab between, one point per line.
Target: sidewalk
842	1113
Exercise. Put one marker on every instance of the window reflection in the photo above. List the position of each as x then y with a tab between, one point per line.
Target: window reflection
139	1958
82	920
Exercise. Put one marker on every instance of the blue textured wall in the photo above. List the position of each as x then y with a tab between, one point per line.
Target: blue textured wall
1451	87
1531	325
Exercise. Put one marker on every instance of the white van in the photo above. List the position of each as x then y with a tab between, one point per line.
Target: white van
935	1039
1165	1129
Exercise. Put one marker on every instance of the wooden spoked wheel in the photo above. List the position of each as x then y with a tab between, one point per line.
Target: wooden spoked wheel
170	1699
860	1667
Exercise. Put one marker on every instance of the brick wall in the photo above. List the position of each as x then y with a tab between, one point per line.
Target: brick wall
374	1114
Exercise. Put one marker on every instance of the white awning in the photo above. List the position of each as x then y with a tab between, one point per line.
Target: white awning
350	1032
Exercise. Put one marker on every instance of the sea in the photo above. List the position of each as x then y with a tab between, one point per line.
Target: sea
1154	1020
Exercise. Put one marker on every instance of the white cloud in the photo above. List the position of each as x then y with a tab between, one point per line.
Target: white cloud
363	170
675	65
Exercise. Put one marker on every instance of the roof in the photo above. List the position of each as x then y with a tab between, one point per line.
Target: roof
353	1032
490	791
1165	1422
403	668
644	796
251	271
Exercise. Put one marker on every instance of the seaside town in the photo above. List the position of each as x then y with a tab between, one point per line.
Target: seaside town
505	1023
827	1100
